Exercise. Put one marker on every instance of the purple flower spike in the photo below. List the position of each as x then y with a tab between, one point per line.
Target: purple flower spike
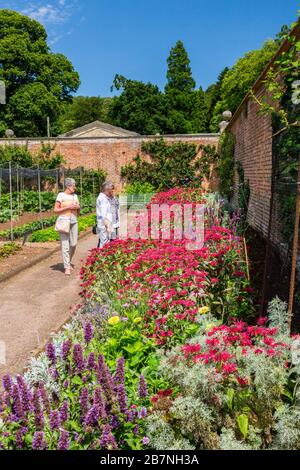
88	332
101	367
78	358
50	351
39	442
146	440
122	397
84	401
120	371
7	383
64	412
108	440
19	437
66	347
54	420
44	397
99	402
38	414
24	394
54	373
115	423
143	391
92	416
92	361
17	404
64	441
143	413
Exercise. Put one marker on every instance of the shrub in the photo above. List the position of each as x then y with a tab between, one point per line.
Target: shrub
8	249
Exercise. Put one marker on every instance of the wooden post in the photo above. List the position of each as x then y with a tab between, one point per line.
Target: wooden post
294	252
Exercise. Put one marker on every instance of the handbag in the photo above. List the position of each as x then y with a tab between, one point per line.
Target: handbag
95	229
63	225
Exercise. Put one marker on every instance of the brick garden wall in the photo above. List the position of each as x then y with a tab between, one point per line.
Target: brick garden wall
253	149
108	154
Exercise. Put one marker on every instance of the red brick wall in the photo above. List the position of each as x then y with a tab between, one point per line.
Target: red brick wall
253	148
108	154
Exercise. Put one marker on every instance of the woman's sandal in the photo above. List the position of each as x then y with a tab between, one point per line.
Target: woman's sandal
68	272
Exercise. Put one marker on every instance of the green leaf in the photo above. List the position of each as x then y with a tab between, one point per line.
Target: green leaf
77	380
229	396
75	426
243	424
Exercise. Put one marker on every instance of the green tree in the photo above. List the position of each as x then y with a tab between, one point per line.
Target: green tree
240	78
212	97
187	108
37	81
83	110
141	107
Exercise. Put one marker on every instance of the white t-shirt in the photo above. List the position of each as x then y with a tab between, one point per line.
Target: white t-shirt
71	198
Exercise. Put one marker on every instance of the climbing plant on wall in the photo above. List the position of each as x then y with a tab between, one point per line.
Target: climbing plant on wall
282	103
225	165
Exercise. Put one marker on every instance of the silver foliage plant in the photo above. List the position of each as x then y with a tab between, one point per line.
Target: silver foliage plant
39	368
212	414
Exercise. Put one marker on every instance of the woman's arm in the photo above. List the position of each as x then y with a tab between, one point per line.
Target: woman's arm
58	209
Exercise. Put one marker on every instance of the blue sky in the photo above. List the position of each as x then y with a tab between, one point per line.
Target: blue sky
133	37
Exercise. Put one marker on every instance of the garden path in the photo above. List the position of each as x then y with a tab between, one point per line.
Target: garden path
35	303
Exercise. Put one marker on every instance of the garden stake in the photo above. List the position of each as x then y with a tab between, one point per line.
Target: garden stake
294	252
11	204
247	259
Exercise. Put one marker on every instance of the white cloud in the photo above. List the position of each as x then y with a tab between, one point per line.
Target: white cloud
50	13
55	15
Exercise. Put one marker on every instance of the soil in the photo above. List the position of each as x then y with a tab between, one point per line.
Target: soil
35	303
26	218
27	253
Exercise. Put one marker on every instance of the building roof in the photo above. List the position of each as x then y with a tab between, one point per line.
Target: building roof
99	129
285	46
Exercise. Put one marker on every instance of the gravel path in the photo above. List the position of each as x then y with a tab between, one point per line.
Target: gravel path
35	303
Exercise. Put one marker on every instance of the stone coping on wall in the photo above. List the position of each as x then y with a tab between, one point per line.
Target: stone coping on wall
111	138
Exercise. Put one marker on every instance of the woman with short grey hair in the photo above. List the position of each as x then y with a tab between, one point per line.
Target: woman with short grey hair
67	207
107	214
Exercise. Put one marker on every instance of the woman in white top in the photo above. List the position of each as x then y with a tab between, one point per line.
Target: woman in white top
67	207
107	214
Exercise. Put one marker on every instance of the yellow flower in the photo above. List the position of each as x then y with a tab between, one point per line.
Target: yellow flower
137	320
113	320
203	310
